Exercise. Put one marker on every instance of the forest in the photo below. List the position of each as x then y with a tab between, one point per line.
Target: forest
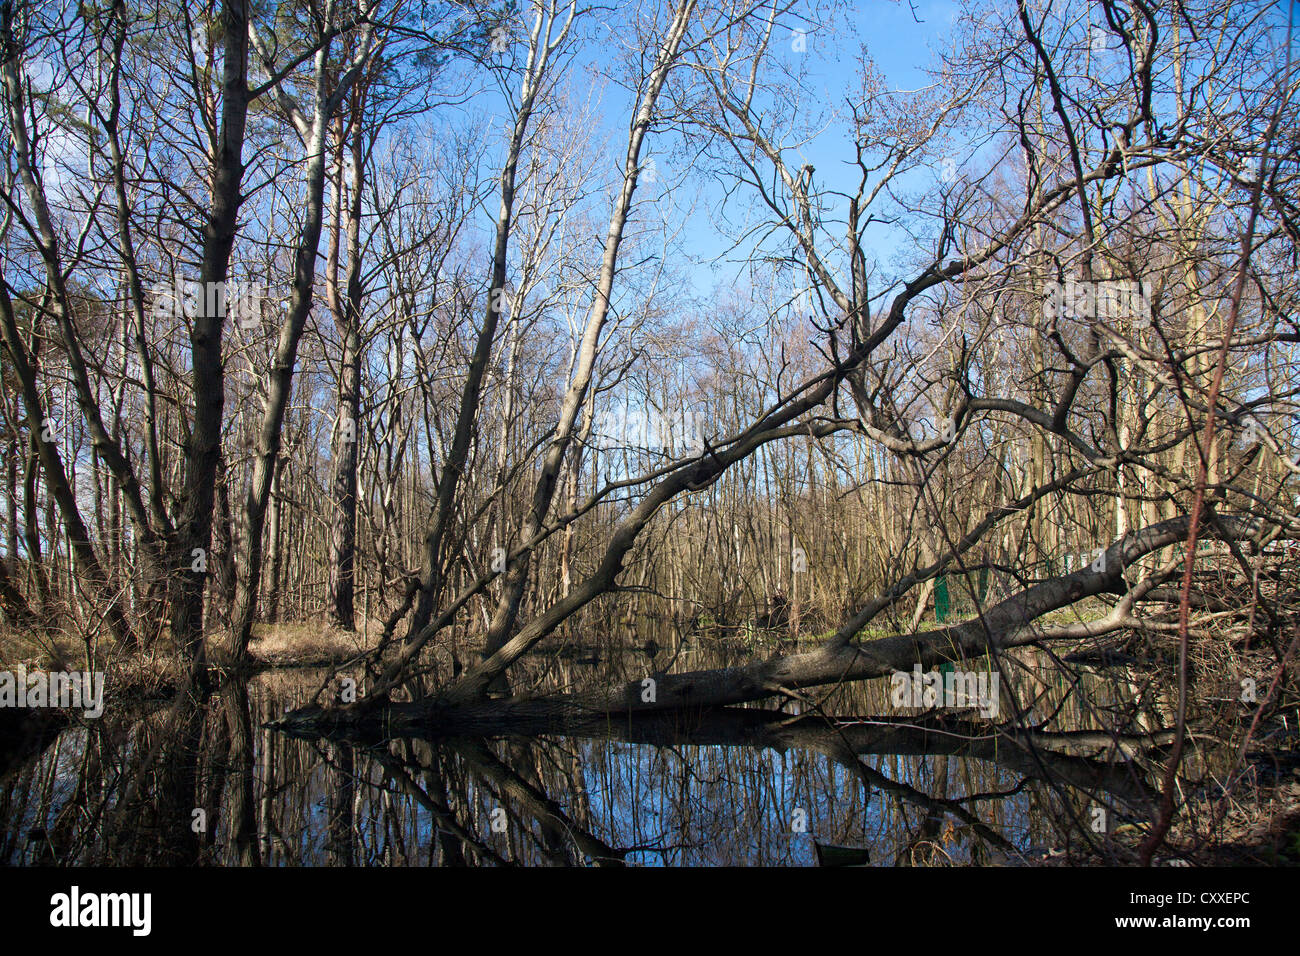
673	432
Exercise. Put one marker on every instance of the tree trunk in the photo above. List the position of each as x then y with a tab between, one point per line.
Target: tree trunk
203	450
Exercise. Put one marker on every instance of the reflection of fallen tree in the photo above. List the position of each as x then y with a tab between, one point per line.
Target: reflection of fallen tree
1029	754
1037	756
476	755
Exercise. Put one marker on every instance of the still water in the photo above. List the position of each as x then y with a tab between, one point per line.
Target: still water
844	777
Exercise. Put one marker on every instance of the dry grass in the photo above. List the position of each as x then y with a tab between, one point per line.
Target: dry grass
54	650
298	643
309	642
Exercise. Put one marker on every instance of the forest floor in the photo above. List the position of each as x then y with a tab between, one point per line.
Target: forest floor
297	644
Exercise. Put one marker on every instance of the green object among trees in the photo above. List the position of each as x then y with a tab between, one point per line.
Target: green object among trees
943	596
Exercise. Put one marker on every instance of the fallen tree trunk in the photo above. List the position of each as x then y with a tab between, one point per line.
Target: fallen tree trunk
1008	624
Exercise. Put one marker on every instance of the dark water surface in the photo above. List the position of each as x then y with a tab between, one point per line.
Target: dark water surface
757	785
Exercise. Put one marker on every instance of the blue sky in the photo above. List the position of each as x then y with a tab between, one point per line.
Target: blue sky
902	39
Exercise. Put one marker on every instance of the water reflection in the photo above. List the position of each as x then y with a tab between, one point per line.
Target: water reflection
207	782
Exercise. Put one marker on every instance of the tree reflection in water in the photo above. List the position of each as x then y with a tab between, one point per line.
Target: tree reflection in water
211	783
